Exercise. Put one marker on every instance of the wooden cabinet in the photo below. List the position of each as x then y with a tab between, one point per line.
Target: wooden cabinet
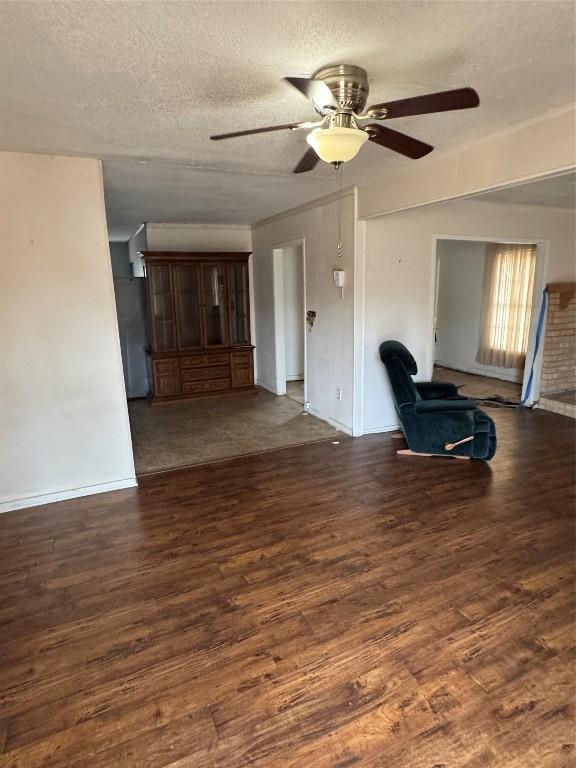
199	316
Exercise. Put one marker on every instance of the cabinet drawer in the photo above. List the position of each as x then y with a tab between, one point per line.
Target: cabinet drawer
205	387
201	360
163	367
199	374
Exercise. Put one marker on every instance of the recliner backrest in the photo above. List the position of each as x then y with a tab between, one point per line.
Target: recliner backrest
400	364
390	349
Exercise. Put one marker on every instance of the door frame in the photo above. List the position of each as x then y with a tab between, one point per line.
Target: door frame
279	325
540	281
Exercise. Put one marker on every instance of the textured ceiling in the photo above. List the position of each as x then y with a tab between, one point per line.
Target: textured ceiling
143	84
557	192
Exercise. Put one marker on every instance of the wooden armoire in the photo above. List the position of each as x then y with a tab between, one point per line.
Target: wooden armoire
199	318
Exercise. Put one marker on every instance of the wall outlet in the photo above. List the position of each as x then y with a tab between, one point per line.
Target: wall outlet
338	393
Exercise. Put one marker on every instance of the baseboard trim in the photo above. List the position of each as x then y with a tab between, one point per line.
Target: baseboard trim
268	389
73	493
379	430
480	371
332	422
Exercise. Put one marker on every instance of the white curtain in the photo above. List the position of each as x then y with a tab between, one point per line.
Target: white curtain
506	304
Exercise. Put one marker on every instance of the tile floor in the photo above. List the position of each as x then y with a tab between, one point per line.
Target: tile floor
199	431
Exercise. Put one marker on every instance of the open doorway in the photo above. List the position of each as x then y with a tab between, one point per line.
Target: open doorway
289	320
485	307
294	367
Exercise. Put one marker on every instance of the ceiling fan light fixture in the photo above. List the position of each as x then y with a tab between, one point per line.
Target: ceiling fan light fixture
337	145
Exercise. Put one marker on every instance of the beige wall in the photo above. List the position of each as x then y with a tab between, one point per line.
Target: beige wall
199	237
399	277
63	420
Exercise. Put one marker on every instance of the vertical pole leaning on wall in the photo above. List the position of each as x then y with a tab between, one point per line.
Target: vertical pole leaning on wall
541	318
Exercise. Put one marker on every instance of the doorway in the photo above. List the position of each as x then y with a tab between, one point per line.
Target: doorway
293	266
485	316
289	320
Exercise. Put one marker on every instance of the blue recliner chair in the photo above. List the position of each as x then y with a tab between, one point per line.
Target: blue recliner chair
434	418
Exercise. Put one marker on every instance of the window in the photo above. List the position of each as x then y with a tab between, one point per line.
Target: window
507	303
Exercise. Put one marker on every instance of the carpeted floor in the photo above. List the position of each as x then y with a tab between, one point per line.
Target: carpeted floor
479	386
199	431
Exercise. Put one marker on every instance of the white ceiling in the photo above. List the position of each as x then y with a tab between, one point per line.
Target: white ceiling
143	85
556	192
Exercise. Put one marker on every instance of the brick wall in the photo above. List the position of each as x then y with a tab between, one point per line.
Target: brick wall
559	363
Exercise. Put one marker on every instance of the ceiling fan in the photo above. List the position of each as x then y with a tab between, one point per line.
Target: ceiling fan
339	94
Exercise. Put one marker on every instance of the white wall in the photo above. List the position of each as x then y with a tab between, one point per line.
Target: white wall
293	268
399	280
120	257
64	420
199	237
459	308
523	152
330	344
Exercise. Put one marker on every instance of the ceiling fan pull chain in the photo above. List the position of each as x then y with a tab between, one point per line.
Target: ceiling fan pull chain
339	211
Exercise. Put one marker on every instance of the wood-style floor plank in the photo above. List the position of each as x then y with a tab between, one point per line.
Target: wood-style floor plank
326	606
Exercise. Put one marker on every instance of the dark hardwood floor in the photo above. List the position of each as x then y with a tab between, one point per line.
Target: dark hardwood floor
326	606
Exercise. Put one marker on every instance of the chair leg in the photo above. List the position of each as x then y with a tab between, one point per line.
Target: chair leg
408	452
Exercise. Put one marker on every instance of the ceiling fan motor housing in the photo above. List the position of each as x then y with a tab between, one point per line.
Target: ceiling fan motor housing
348	84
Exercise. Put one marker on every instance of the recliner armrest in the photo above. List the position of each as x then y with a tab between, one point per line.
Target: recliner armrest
432	390
444	406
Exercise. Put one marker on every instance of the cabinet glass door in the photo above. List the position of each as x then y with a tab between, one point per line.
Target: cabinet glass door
188	305
214	288
239	317
162	323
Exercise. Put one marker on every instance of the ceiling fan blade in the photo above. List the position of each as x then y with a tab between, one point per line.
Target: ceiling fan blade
398	142
267	129
308	161
316	90
444	101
